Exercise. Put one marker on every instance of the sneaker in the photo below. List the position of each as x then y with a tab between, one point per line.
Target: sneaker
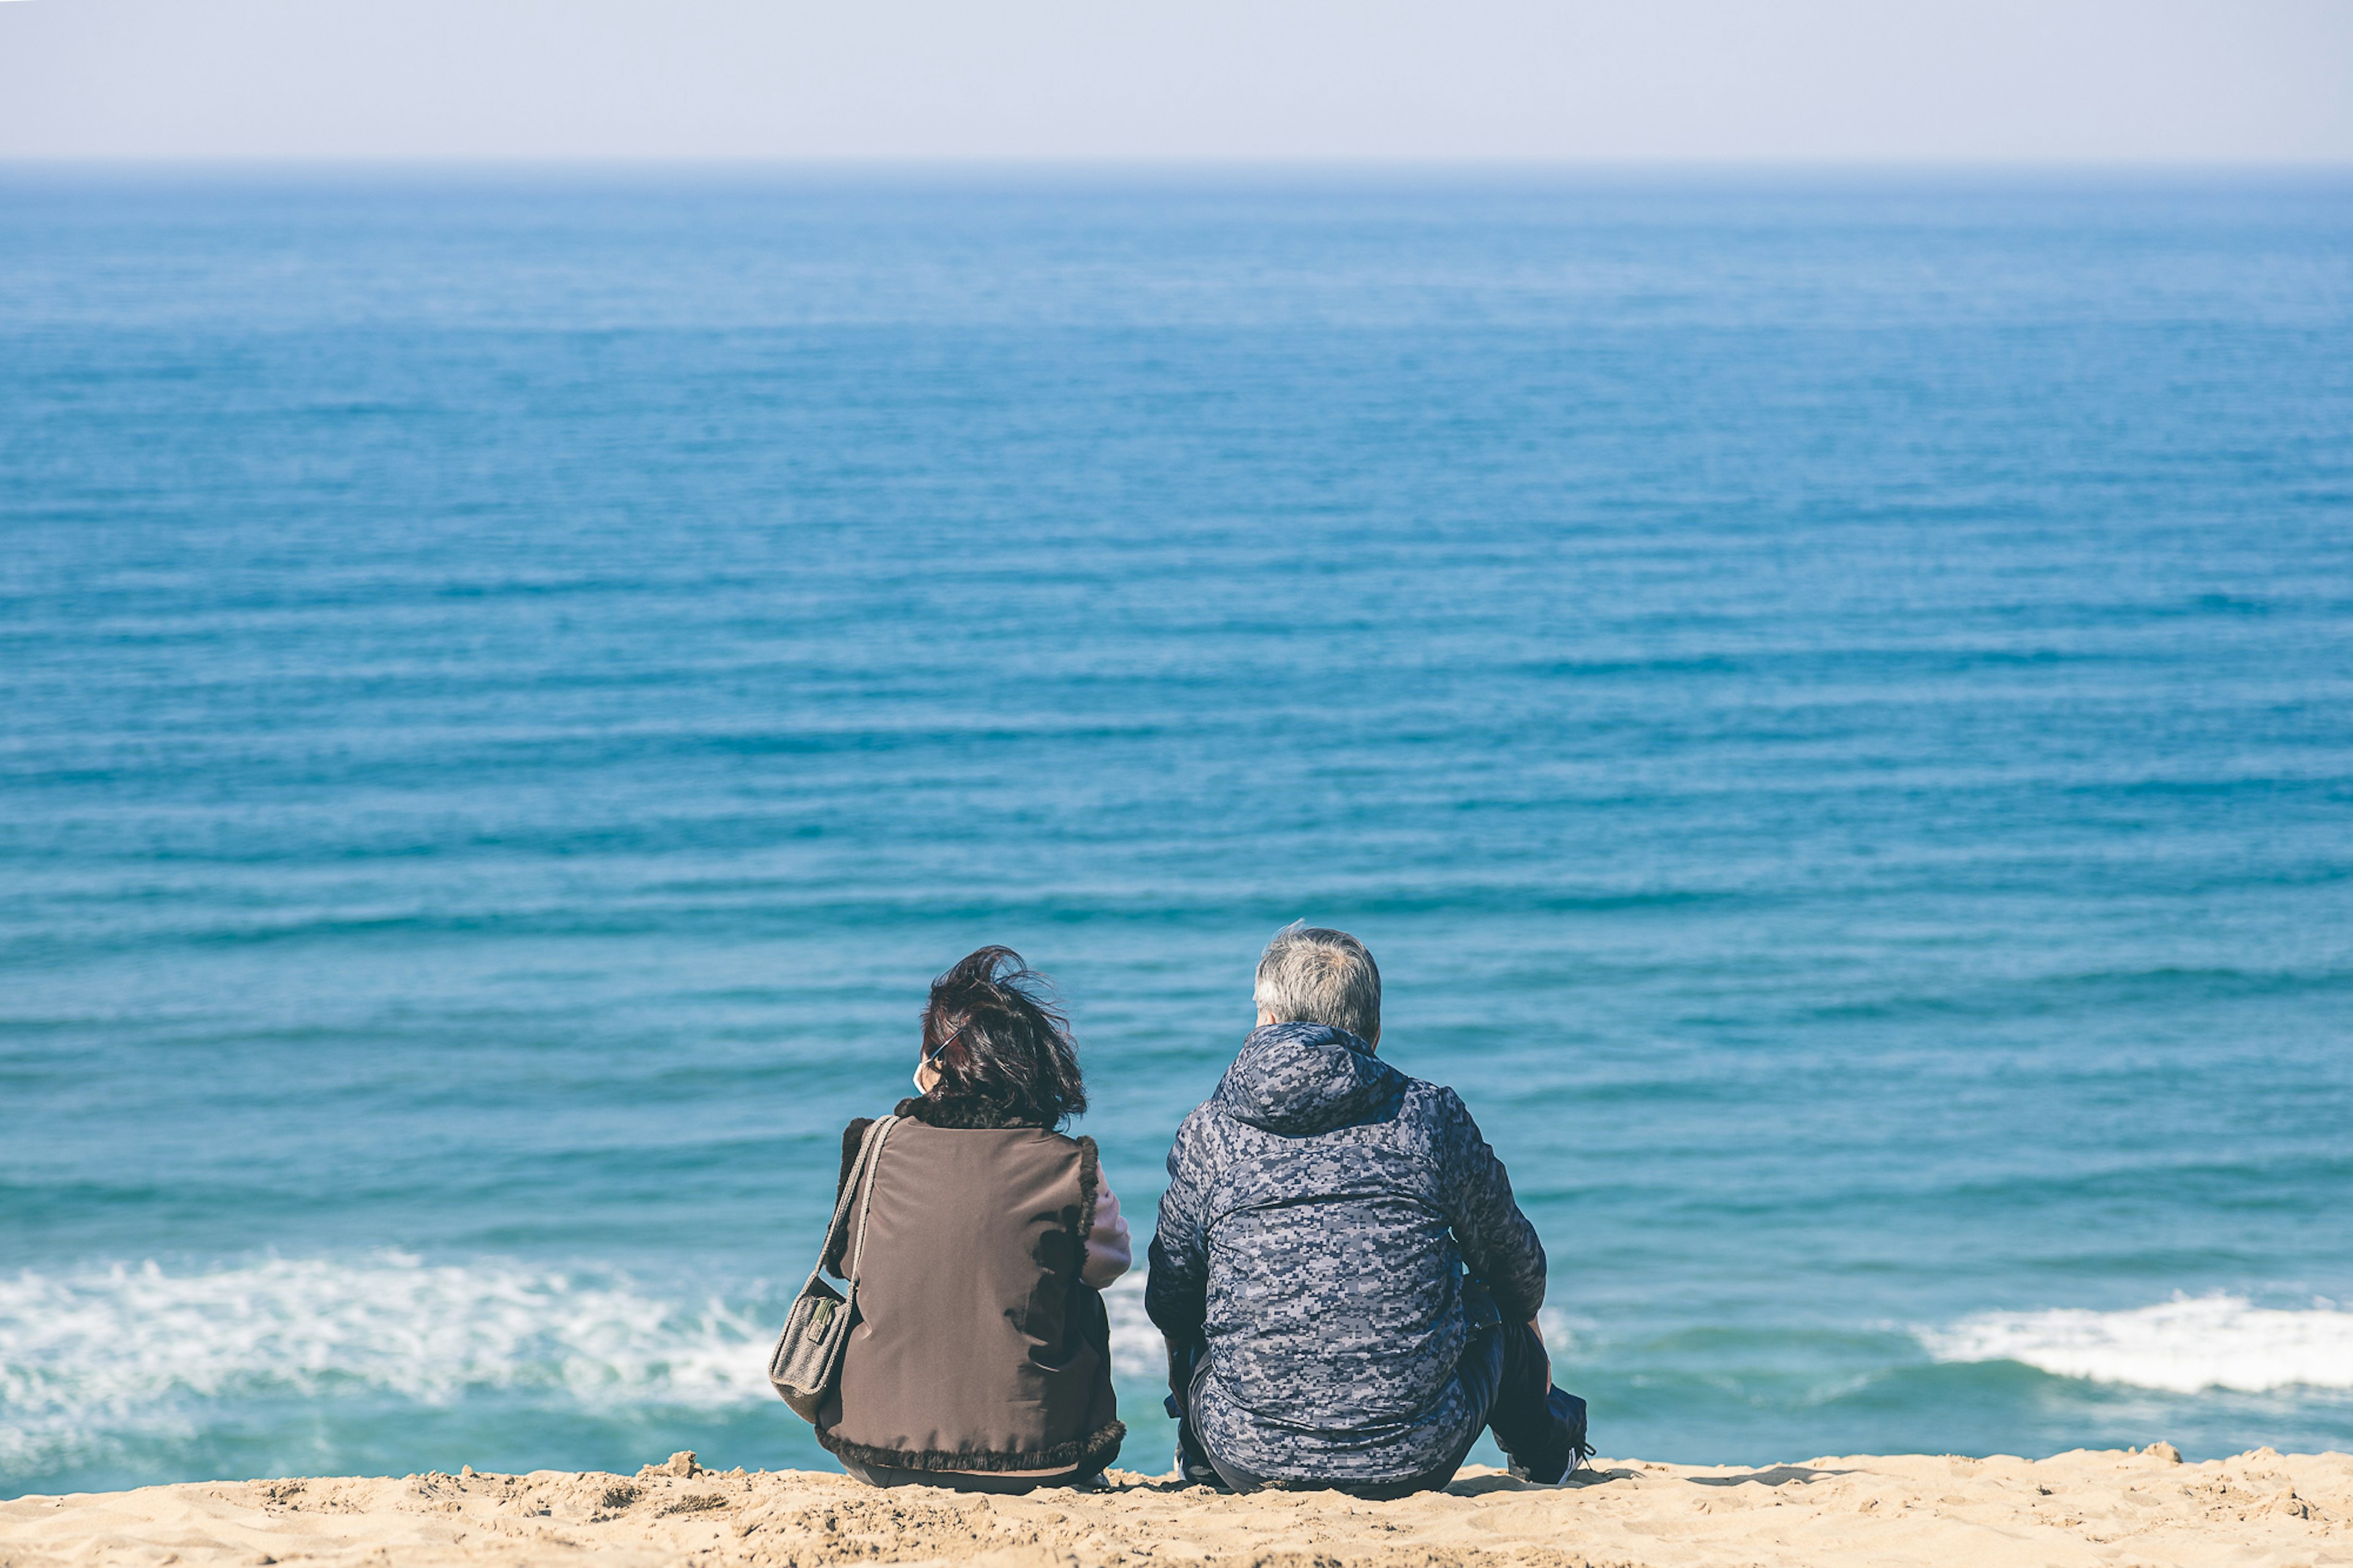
1193	1467
1192	1472
1566	1450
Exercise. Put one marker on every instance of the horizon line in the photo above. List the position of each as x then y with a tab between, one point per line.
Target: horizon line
1213	164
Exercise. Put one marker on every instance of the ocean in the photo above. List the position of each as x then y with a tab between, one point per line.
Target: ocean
1830	697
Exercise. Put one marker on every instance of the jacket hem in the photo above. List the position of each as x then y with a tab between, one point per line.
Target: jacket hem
1096	1450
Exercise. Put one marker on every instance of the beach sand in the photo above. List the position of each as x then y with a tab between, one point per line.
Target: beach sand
2077	1508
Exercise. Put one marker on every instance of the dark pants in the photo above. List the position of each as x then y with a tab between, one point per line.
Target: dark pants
1507	1376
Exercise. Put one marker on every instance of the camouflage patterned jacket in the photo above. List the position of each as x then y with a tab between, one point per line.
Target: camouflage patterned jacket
1321	1209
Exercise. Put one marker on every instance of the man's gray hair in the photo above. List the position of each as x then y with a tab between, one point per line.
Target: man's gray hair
1315	975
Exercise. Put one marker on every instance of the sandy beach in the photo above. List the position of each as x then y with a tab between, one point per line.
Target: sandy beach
2122	1507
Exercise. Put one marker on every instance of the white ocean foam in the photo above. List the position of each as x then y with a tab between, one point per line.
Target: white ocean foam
2183	1345
1560	1331
1137	1350
127	1348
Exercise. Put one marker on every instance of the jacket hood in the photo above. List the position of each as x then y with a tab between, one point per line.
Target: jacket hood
1298	1080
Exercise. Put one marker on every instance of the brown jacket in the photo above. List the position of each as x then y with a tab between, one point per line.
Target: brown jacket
977	1348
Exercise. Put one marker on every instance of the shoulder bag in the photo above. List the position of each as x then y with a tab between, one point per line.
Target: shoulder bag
807	1360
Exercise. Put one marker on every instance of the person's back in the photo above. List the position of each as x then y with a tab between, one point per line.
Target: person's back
1308	1267
981	1354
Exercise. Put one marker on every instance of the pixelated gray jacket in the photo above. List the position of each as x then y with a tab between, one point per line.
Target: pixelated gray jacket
1321	1209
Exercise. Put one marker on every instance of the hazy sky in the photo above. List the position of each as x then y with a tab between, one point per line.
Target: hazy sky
2005	81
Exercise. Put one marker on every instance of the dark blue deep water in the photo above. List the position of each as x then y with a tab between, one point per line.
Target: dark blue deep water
1831	700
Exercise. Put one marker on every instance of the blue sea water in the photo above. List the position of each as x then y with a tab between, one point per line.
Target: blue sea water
1830	699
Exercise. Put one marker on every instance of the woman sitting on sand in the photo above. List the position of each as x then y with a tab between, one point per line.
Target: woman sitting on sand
982	1360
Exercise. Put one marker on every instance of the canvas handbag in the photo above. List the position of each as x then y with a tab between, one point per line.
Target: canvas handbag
816	1331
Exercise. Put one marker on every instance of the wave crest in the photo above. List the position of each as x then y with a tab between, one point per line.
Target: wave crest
2182	1346
127	1347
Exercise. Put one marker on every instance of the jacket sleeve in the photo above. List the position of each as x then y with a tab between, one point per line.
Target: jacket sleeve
1500	1247
852	1136
1107	1254
1176	1288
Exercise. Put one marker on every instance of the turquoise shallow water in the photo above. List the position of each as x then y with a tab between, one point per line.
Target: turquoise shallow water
1829	699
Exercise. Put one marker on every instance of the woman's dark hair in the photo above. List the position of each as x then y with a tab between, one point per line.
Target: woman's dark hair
992	1029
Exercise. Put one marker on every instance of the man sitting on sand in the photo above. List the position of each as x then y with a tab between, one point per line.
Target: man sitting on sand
1308	1271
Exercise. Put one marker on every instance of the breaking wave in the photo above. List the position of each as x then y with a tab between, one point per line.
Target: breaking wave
1137	1350
2181	1346
134	1348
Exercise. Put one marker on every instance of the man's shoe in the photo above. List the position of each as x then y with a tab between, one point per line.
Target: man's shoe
1193	1473
1565	1447
1193	1467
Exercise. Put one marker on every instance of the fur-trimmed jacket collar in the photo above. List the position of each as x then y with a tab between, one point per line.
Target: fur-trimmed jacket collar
967	1112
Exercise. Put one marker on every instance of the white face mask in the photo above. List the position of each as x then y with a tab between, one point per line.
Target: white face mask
925	1061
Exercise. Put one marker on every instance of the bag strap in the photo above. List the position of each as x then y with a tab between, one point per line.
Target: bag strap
866	1203
875	1132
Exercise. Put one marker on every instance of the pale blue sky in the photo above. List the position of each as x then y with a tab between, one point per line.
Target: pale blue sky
1710	81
